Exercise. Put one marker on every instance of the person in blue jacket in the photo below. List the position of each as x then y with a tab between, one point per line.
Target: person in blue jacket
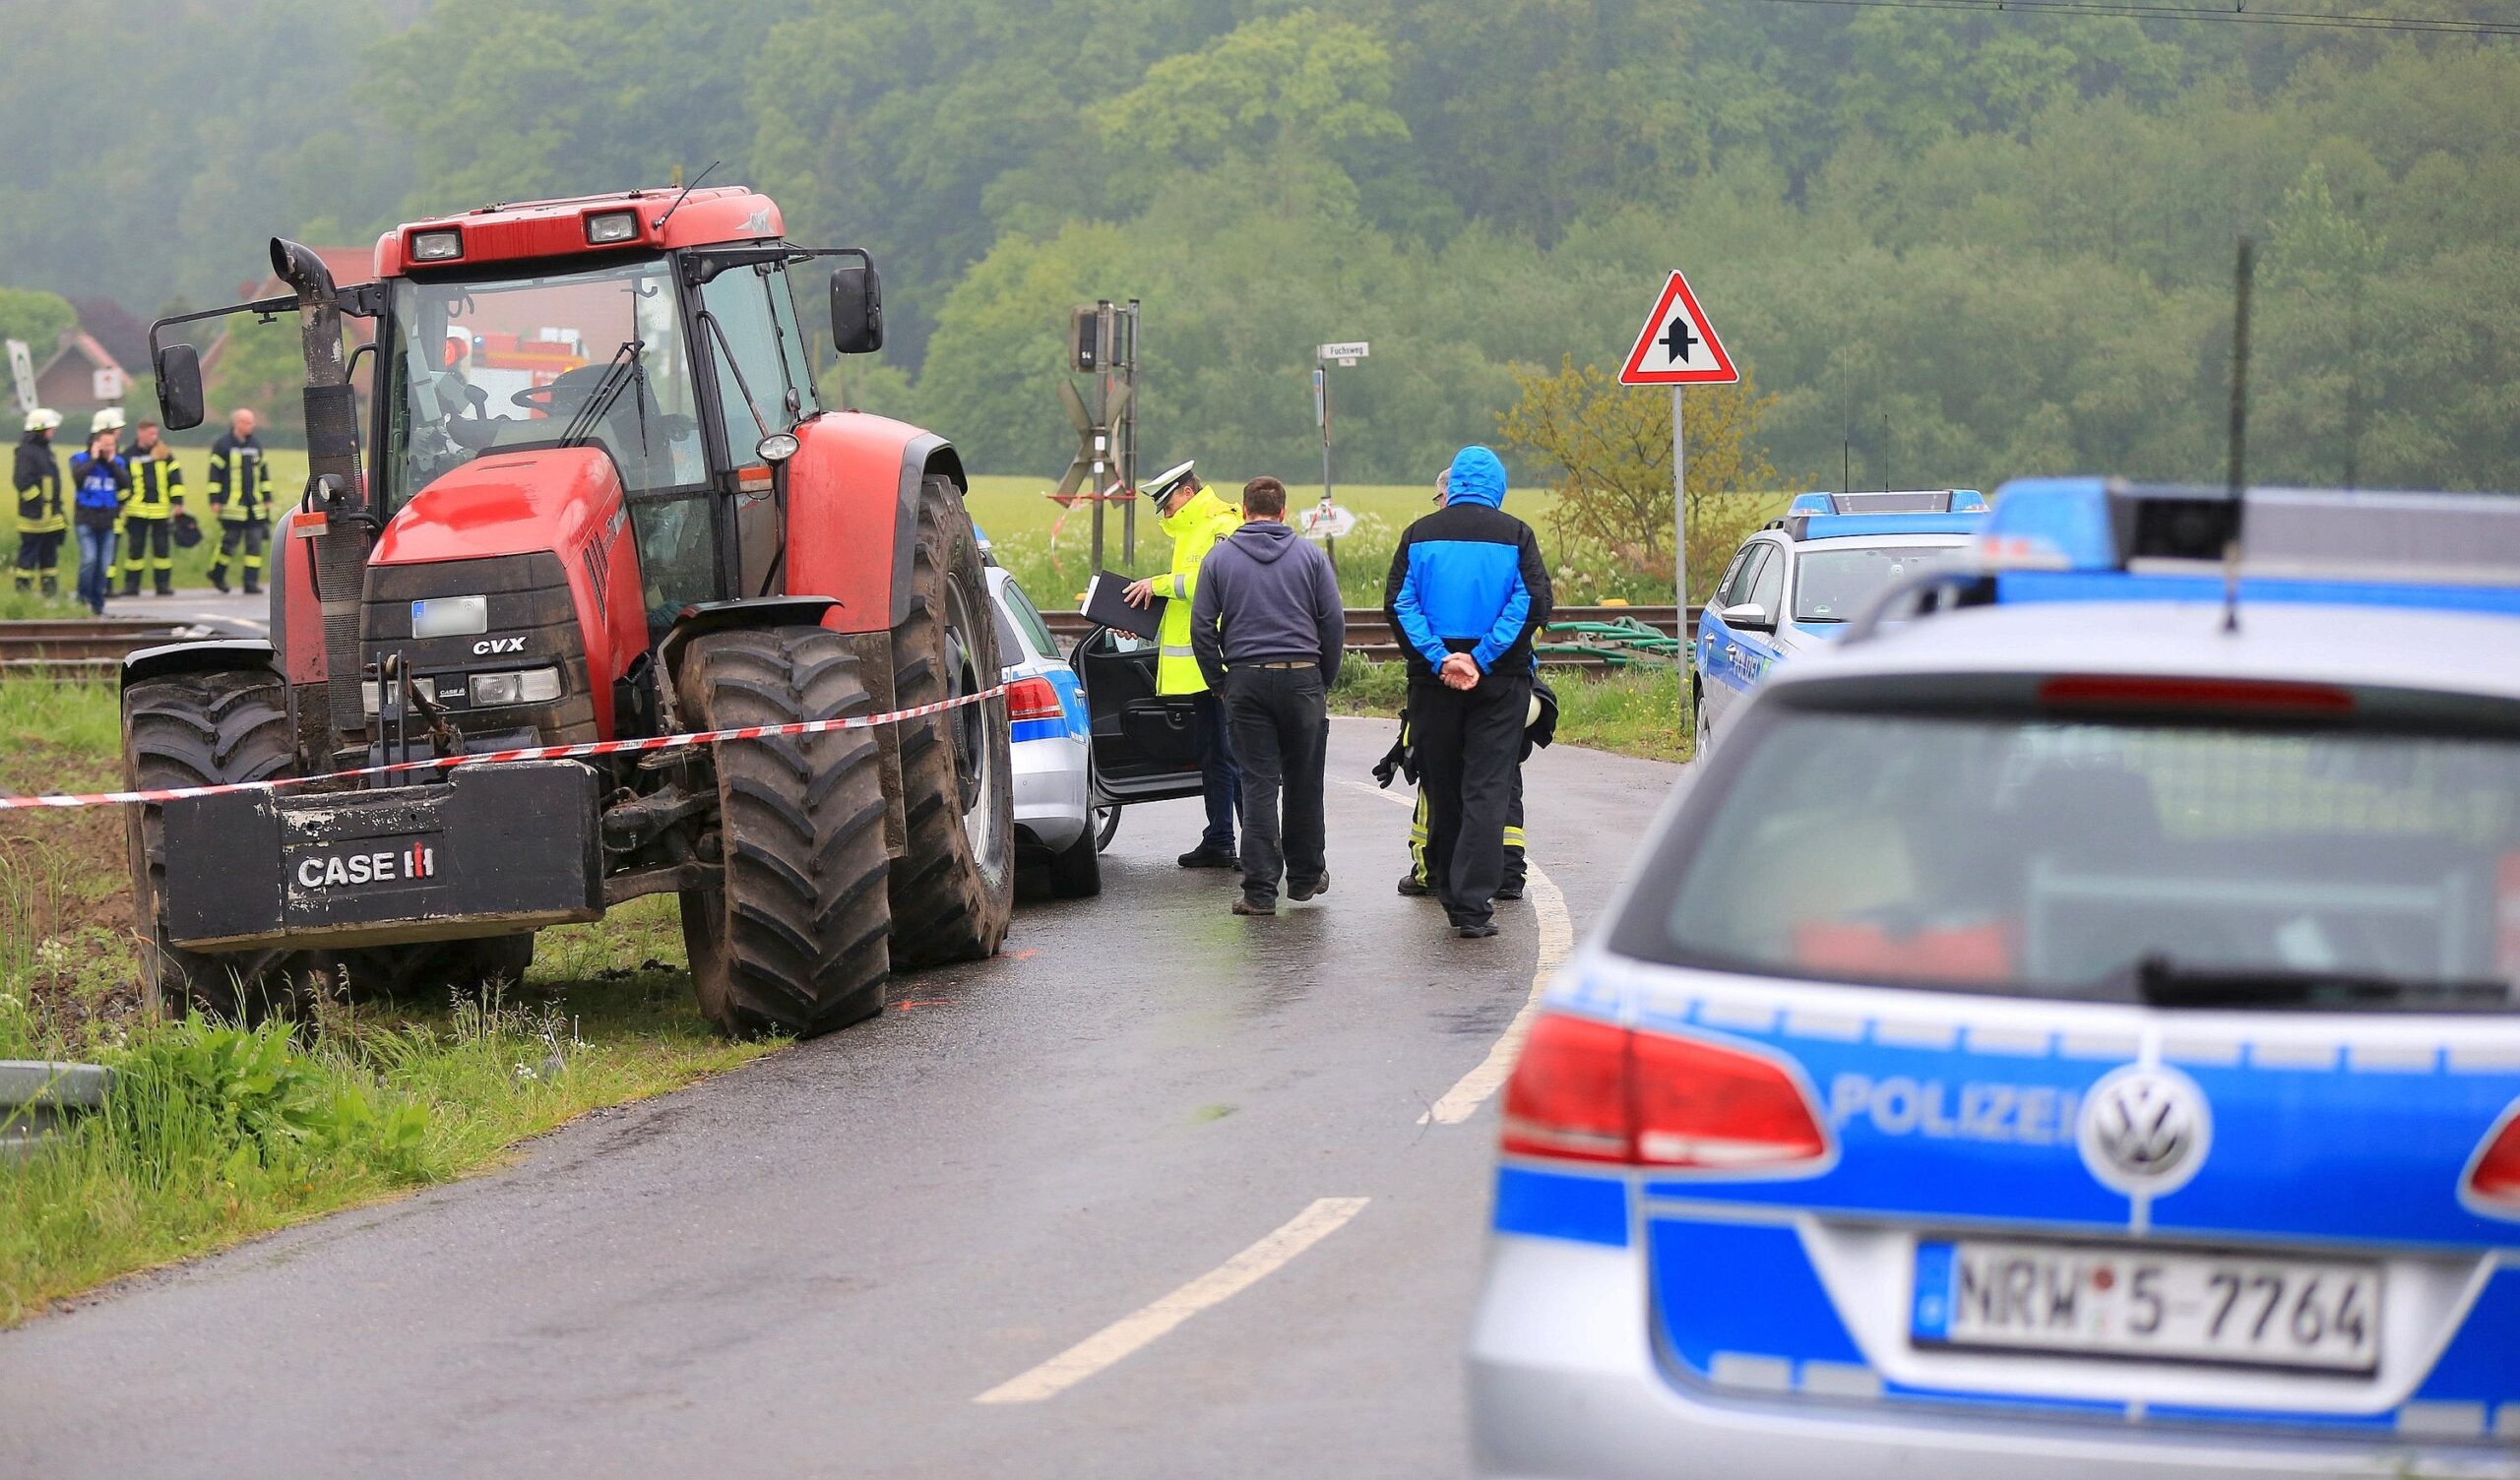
102	486
1465	591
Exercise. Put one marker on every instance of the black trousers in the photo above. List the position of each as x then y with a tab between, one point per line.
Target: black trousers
147	544
247	535
1281	722
40	554
1468	746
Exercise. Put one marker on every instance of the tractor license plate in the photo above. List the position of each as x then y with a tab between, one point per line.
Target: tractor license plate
2236	1309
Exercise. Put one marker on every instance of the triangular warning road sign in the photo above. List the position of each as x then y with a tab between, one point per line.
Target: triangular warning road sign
1678	347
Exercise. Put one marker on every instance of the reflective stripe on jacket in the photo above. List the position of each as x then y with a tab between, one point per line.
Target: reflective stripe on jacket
1195	530
156	485
240	480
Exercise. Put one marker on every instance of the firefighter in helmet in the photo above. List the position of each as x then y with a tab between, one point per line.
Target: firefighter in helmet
42	517
147	521
241	491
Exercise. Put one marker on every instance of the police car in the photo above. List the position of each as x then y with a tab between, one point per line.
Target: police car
1795	583
2074	1035
1051	757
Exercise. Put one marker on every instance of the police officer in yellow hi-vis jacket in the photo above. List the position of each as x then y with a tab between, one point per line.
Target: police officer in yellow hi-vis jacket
240	489
1196	520
147	521
43	519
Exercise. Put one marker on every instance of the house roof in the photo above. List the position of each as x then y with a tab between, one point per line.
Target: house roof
80	342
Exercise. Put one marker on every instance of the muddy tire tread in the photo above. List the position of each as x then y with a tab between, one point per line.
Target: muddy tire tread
803	922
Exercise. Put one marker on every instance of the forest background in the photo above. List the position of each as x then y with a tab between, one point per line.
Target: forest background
1953	248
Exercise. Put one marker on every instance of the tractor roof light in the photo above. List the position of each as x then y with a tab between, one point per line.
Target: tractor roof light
612	227
437	246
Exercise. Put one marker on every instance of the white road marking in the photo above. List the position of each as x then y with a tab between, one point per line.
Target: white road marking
1131	1331
1557	941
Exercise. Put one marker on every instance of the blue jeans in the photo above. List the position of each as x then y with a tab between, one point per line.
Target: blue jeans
1220	779
96	563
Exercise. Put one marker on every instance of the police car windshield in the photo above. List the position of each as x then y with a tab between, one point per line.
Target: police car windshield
2038	856
1834	585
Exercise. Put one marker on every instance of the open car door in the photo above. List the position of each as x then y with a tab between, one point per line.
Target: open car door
1146	749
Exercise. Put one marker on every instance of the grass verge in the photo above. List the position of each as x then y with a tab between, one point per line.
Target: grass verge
215	1134
1630	712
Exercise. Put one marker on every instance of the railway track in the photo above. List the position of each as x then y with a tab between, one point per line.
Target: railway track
84	647
1369	634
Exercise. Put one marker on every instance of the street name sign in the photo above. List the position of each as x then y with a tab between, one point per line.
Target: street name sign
1678	347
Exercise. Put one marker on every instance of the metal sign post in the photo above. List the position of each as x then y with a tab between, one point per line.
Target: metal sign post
1327	518
1677	347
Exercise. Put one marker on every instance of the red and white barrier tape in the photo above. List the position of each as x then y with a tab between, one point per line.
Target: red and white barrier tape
495	757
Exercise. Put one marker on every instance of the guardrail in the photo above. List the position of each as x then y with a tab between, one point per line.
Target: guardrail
1580	637
40	1097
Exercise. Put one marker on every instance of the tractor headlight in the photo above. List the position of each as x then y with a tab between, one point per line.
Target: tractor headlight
437	246
613	226
520	686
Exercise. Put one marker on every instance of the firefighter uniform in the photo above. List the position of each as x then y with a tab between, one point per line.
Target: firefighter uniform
240	490
42	517
147	521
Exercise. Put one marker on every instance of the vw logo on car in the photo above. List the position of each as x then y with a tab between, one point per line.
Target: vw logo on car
2144	1130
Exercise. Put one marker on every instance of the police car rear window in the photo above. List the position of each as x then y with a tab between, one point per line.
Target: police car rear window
2048	857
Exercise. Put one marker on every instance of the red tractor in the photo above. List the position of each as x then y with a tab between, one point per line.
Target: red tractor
597	499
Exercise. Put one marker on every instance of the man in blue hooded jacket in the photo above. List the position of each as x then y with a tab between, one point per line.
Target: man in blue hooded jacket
1465	591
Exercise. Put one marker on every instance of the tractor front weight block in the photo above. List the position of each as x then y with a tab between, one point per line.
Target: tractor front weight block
492	850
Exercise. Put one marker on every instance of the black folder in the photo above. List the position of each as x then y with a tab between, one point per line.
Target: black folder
1103	604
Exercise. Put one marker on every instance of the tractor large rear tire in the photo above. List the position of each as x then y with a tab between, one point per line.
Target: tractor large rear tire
954	890
795	941
204	729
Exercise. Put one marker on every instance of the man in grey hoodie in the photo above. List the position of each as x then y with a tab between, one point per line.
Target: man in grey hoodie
1268	630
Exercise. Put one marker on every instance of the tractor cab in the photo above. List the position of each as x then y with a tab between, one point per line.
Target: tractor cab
664	332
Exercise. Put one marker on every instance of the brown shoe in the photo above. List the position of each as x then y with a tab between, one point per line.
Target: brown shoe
1246	907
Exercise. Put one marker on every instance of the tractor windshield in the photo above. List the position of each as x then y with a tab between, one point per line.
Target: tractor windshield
589	357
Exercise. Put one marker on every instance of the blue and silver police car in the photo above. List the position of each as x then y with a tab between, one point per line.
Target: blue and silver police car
2074	1035
1796	584
1057	822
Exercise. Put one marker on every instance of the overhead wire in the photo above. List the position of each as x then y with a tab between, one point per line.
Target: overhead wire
2237	13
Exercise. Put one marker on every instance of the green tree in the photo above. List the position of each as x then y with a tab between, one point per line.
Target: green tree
1610	448
36	317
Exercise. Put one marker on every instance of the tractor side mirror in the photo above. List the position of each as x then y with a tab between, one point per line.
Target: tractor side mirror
179	397
856	307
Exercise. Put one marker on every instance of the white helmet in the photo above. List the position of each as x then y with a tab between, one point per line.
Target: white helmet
108	419
43	419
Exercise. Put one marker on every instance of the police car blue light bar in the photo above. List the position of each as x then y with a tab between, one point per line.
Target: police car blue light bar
2101	539
1889	501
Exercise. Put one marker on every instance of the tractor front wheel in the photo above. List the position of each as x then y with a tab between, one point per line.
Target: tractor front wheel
794	940
954	888
203	729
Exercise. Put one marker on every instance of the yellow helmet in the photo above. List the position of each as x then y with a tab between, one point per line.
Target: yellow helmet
43	419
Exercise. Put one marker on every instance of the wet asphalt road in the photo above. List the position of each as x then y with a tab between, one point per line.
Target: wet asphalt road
815	1264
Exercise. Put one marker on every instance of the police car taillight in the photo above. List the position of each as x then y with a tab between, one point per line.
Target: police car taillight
2493	1176
1586	1091
1033	699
